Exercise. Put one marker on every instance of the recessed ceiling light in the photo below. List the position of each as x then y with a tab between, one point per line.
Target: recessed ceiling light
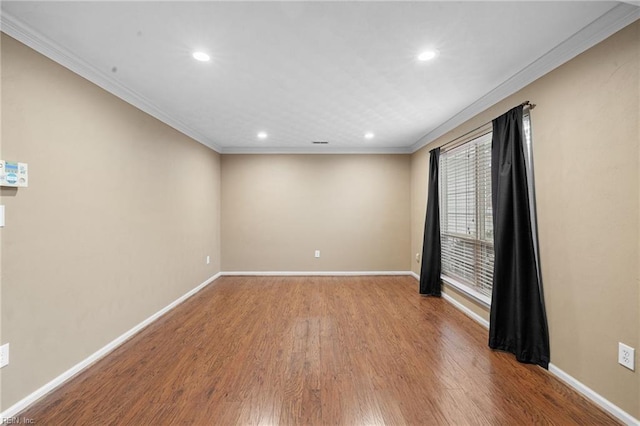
201	56
262	135
369	135
427	55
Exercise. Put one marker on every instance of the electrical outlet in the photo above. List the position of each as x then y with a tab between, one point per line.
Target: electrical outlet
417	257
4	355
317	253
208	260
626	356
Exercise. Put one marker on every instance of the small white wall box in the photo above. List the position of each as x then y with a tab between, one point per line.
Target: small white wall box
14	174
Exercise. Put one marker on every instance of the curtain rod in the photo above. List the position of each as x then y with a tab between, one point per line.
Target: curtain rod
525	104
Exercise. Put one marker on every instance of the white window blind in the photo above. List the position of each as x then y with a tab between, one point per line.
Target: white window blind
466	216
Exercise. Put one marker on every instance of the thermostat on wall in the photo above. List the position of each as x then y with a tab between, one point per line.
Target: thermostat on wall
14	174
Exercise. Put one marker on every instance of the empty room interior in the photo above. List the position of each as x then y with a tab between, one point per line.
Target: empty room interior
352	213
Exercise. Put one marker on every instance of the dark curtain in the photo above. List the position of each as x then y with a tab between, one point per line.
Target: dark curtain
518	319
431	262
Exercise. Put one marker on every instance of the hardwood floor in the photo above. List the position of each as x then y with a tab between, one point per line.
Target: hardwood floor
313	350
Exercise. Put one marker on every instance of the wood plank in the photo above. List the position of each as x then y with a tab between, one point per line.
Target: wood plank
313	350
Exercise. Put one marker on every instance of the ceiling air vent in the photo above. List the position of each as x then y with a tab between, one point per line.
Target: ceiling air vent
320	142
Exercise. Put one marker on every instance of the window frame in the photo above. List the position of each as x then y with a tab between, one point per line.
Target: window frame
450	280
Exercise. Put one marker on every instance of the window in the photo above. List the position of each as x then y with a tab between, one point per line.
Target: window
466	219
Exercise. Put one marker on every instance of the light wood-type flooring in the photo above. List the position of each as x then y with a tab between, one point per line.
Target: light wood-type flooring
311	351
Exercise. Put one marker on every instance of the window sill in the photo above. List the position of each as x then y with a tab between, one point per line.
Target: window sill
468	291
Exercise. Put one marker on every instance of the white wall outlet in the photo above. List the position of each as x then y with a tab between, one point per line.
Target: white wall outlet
208	260
317	253
626	356
4	355
417	257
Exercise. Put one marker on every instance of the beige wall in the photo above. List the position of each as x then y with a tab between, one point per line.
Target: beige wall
116	223
586	135
278	209
1	126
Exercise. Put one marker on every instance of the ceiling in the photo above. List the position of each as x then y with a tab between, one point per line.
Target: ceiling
313	71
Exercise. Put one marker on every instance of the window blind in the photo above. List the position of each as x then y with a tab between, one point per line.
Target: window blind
466	214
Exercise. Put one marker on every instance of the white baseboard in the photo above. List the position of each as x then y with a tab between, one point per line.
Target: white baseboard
477	318
468	312
87	362
589	393
595	397
312	273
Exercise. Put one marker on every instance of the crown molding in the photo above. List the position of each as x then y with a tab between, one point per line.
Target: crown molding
15	28
315	150
605	26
